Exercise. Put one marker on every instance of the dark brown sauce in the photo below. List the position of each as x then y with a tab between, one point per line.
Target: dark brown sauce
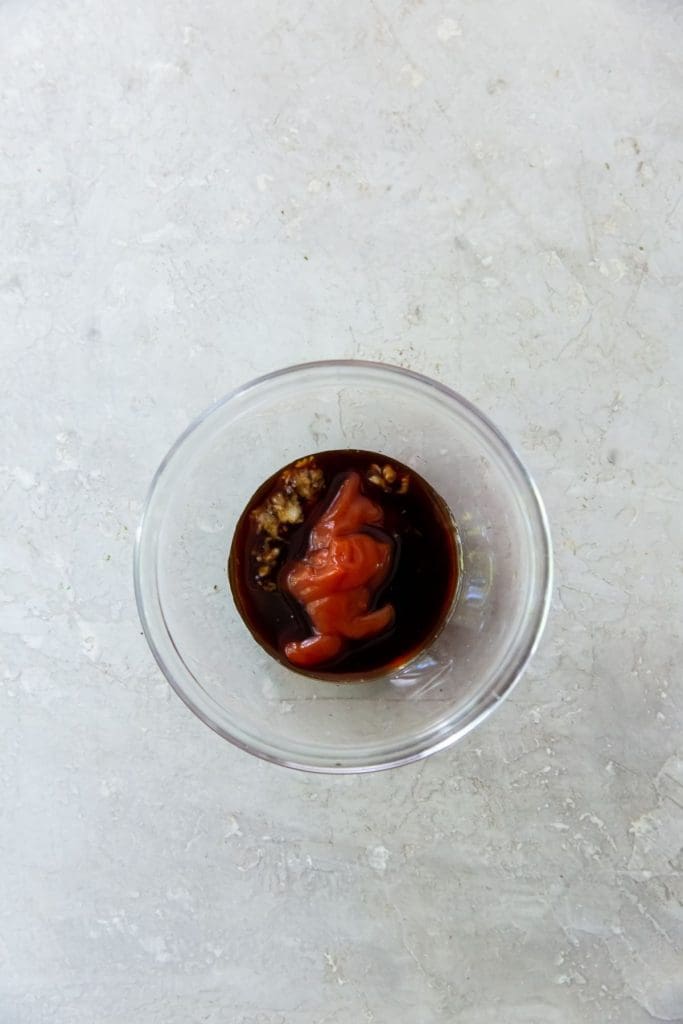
421	584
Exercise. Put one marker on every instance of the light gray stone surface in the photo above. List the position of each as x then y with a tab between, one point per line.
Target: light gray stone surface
195	192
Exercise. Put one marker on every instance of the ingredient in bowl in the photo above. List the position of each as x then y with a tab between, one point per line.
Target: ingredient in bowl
345	564
342	570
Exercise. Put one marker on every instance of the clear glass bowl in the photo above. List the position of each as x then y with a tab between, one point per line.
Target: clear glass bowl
207	653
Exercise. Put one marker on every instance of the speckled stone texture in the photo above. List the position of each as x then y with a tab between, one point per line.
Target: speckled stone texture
192	193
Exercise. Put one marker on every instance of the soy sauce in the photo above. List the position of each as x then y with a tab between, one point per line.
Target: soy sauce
273	534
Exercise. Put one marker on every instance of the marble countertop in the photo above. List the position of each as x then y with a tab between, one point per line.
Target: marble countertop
192	193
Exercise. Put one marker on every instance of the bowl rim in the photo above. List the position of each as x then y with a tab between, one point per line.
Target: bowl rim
491	700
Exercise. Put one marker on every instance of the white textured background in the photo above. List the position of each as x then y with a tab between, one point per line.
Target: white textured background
195	192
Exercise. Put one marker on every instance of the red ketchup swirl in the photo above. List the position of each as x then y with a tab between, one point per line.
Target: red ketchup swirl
339	576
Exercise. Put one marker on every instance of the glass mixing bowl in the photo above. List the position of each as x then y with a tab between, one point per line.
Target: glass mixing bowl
204	648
